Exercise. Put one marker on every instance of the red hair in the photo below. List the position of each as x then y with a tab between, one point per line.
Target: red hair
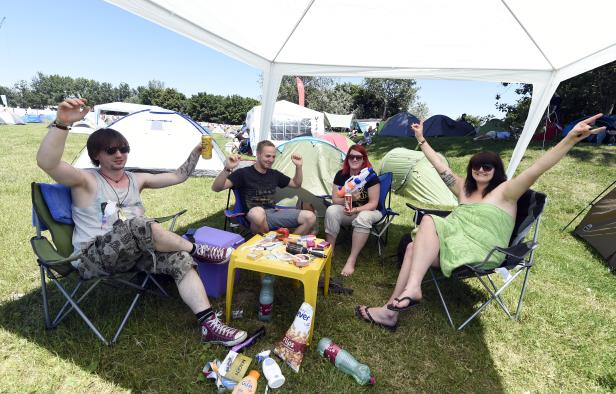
346	169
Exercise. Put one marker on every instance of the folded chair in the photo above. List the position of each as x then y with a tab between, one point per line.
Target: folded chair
52	211
380	229
519	258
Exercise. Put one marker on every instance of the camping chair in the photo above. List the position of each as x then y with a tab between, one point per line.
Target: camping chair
519	259
380	229
52	211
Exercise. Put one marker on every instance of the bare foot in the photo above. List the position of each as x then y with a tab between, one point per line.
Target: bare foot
379	315
348	269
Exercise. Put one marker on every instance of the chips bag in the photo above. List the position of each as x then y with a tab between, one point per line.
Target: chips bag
292	346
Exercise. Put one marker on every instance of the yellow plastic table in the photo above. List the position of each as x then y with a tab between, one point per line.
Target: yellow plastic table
309	275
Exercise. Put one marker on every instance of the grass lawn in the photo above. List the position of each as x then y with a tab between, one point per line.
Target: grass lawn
565	341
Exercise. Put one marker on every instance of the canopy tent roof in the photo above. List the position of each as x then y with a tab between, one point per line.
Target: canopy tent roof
341	121
488	40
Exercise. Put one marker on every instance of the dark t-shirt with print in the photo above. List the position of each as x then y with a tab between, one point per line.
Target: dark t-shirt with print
257	189
340	178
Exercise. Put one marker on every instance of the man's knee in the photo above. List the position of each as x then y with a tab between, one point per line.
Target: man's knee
256	215
307	217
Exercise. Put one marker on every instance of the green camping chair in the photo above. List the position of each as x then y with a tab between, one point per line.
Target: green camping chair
519	259
51	211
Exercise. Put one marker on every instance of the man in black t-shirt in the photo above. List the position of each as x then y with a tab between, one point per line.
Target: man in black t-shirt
257	185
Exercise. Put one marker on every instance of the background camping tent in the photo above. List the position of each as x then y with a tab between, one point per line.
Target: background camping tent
289	121
161	141
364	124
608	121
443	126
340	141
416	179
8	117
399	125
598	227
321	162
338	121
119	109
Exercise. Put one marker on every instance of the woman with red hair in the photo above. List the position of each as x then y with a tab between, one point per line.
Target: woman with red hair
363	212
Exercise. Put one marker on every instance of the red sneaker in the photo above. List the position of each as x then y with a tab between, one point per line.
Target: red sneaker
213	330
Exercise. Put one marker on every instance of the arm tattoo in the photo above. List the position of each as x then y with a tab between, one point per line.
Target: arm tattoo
448	178
189	165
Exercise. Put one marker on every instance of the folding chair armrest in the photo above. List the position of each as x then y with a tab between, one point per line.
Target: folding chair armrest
47	253
232	215
176	215
518	251
327	199
428	211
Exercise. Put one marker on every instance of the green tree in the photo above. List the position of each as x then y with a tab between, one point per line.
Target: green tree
170	98
393	95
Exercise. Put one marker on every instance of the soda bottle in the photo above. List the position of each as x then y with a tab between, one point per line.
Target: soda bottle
266	298
344	361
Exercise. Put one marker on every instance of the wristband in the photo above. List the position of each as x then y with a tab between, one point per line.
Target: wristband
421	142
60	125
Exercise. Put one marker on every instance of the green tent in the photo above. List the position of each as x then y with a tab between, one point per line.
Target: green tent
417	180
321	162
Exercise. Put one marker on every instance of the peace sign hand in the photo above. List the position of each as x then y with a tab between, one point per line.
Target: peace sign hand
584	128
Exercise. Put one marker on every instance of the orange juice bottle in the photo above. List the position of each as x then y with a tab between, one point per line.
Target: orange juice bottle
248	385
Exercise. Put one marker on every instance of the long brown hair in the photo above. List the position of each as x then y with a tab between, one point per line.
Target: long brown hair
487	157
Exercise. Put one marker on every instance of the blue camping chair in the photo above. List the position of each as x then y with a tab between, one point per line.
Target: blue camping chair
51	210
236	218
380	229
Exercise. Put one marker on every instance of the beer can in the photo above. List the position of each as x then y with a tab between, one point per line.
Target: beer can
206	146
348	202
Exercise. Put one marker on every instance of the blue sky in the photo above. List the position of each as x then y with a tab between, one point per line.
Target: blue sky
96	40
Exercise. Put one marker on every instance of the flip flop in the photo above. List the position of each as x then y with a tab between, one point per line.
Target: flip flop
370	320
412	303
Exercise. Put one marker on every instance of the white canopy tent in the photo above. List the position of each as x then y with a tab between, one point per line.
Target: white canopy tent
288	120
339	121
537	42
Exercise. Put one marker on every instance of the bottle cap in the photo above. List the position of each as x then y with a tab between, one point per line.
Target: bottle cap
272	373
255	374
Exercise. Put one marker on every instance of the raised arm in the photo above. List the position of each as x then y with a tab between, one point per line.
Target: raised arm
49	156
221	182
453	181
518	185
296	181
157	181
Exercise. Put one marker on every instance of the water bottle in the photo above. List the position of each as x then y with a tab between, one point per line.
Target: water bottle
344	361
266	298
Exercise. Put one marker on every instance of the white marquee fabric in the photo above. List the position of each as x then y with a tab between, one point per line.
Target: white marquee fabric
539	42
343	121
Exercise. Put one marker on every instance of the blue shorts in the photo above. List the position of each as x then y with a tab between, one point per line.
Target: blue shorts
277	218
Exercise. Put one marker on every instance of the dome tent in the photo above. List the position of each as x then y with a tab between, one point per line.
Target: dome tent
416	179
161	141
441	125
399	125
321	162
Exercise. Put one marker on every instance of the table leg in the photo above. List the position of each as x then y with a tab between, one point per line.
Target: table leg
328	268
229	296
311	288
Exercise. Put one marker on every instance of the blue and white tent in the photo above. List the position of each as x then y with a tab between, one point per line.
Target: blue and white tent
161	141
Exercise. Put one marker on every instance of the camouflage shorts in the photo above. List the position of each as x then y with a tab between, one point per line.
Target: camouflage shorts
126	247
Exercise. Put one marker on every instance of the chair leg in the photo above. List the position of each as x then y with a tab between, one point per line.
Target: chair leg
130	310
45	299
60	316
438	289
498	298
522	293
79	311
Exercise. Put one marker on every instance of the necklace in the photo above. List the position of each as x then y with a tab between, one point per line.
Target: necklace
120	204
111	179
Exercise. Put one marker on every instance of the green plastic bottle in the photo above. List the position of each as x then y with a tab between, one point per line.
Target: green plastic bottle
344	361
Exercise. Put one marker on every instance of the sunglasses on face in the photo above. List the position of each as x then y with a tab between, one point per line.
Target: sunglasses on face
485	166
356	157
113	149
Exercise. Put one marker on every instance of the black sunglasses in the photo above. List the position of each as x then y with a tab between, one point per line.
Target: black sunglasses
356	157
486	167
113	149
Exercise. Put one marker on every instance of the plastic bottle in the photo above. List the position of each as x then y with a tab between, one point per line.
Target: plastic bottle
248	385
344	361
272	373
266	298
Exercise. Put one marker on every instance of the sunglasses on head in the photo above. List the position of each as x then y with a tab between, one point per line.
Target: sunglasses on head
113	149
356	157
485	166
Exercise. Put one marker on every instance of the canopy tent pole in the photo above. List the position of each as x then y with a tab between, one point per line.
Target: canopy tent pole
271	83
542	93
